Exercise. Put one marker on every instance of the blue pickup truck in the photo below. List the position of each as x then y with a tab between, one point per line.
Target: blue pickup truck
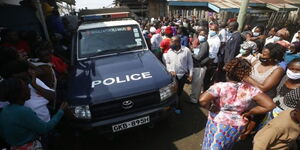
116	83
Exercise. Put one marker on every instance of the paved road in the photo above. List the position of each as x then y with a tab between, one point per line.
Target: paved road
178	132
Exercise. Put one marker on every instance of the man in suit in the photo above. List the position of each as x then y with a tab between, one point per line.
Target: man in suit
232	48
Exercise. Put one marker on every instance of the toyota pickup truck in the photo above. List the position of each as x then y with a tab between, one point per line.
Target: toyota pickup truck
116	83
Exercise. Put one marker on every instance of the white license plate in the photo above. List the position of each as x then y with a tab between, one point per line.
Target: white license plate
130	124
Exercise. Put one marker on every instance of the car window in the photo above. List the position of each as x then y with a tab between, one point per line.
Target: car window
108	40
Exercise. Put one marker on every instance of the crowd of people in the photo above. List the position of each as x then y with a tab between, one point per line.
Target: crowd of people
249	81
32	72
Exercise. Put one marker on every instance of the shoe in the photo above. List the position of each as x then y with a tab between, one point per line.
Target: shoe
177	111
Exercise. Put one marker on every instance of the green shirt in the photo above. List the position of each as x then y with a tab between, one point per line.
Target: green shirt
20	125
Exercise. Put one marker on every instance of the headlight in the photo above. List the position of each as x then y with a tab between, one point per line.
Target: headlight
168	91
82	112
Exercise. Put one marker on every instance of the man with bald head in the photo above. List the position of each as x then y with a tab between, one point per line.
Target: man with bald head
232	47
179	62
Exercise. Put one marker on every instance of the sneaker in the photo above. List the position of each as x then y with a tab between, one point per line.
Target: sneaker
177	111
193	100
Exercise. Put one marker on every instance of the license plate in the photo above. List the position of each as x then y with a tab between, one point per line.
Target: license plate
130	124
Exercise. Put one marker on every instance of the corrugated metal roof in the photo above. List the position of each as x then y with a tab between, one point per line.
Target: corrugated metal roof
276	1
251	1
277	5
225	4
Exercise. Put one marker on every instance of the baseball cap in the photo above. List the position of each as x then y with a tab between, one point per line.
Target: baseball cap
168	30
249	45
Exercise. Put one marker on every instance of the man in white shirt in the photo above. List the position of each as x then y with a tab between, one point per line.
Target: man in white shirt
179	63
214	43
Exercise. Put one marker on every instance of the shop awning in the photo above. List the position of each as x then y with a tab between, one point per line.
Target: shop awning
234	5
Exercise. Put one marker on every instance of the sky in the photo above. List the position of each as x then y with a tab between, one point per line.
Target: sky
93	4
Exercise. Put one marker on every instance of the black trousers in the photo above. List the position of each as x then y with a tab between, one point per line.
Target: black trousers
181	83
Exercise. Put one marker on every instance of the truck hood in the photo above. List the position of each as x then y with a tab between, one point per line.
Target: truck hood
103	79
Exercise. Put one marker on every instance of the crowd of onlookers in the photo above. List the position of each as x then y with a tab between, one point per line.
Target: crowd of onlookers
249	80
33	71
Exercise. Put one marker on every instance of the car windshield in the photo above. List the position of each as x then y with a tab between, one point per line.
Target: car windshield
107	40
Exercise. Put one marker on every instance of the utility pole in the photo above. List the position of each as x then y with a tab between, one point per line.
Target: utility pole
242	14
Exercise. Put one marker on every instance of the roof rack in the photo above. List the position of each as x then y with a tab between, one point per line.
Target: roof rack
84	12
105	17
106	14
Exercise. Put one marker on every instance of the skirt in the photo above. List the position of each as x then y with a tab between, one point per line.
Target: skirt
220	137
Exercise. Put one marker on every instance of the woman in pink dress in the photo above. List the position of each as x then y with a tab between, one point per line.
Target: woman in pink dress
227	103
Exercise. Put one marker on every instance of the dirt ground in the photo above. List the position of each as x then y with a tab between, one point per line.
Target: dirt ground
177	132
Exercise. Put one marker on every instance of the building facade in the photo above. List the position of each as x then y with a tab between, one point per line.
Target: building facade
263	12
145	8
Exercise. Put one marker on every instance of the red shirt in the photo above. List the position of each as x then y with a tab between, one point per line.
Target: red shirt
58	64
165	45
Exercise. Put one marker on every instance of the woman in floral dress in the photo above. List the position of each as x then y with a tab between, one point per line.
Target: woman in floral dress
227	103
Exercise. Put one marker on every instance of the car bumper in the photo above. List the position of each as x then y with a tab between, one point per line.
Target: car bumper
104	126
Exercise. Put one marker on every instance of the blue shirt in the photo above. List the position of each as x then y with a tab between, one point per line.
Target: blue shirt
20	125
184	41
288	57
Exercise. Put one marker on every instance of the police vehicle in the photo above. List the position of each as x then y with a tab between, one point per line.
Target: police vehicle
116	83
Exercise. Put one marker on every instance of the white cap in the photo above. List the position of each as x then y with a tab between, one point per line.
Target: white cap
152	20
